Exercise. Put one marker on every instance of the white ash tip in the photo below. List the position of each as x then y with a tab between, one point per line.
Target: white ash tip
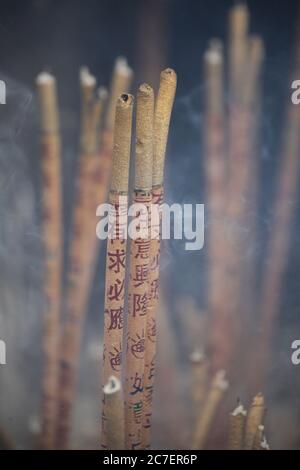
45	78
264	444
122	67
197	357
214	56
220	380
240	410
102	93
86	78
113	386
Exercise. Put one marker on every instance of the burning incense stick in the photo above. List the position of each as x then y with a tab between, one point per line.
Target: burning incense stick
204	421
241	131
113	398
239	20
200	371
259	437
52	233
254	420
139	266
88	84
81	258
215	169
116	253
162	117
277	254
236	428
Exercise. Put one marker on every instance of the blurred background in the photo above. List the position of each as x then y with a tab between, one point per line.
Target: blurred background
61	36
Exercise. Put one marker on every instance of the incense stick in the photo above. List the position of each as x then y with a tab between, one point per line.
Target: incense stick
204	421
113	398
200	371
82	256
254	419
116	252
236	428
162	117
216	173
139	267
52	234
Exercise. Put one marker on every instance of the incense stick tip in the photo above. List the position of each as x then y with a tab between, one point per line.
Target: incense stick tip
122	67
146	90
102	93
125	100
239	410
197	357
86	78
220	380
45	78
169	74
214	54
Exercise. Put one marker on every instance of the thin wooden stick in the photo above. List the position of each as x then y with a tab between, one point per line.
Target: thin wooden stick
205	419
162	117
238	42
114	414
259	437
255	418
216	173
236	428
52	234
82	256
116	253
139	268
281	222
200	372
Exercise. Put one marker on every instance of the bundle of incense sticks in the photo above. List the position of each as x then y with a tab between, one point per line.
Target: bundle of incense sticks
277	253
215	169
205	419
52	237
162	117
116	257
91	190
139	267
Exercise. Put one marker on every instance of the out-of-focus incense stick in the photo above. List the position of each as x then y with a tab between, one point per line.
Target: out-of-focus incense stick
52	235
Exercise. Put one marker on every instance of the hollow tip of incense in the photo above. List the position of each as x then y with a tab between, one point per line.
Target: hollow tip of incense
220	381
169	75
197	357
125	101
145	90
86	78
112	386
239	410
214	54
45	78
122	67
